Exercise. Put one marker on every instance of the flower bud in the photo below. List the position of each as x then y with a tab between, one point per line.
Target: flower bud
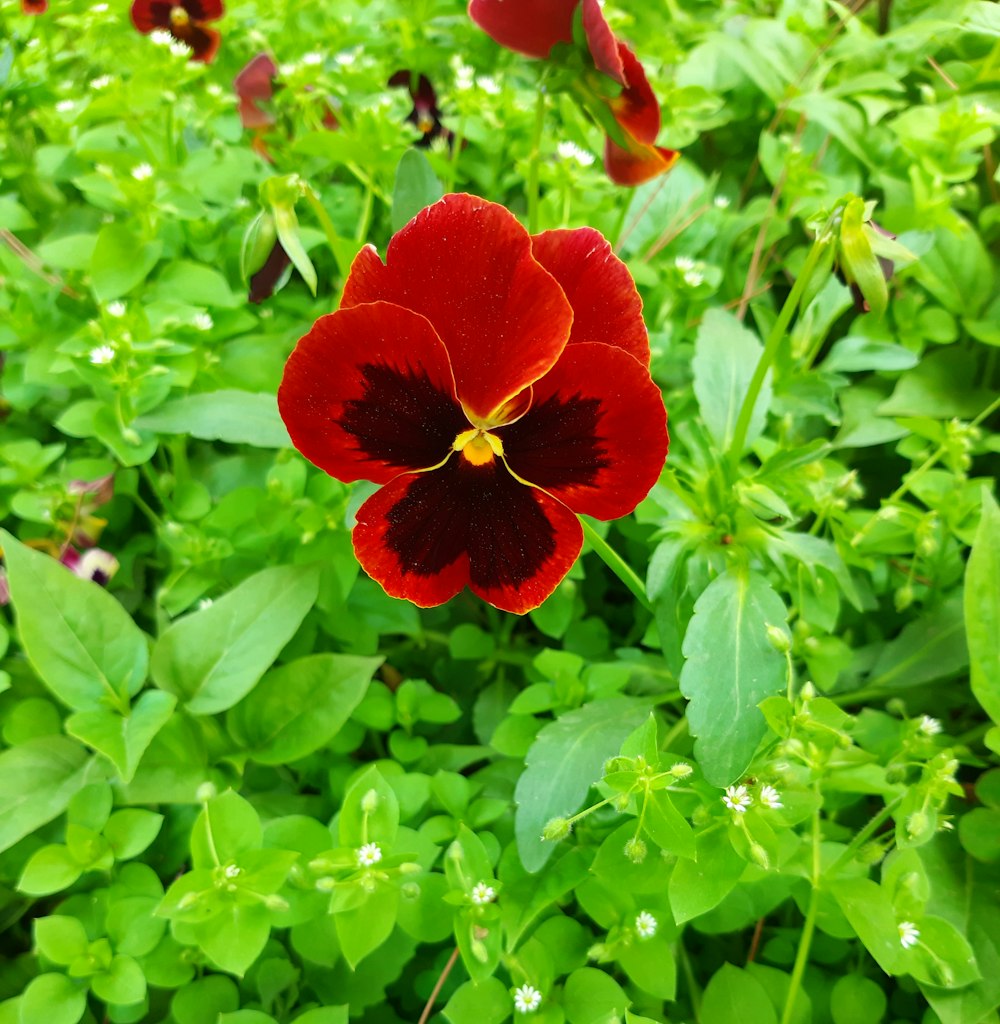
759	856
916	823
258	241
275	902
681	770
206	791
556	829
635	849
870	853
369	802
410	867
778	639
326	883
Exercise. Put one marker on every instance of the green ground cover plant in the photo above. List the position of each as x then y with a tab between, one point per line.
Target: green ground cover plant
740	764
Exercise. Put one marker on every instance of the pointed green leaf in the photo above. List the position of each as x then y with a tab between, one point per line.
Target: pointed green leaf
982	609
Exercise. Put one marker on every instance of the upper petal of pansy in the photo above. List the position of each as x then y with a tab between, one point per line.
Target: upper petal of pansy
466	264
34	6
151	14
601	41
425	536
203	10
368	393
606	306
636	108
596	434
638	163
531	27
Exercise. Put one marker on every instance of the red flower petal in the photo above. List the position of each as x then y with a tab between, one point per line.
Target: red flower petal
368	393
148	15
636	109
34	6
204	42
425	536
531	27
253	84
466	265
602	42
606	306
596	434
638	163
203	10
264	282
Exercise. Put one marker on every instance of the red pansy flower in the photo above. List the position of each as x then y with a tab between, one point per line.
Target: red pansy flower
496	383
184	20
253	85
425	115
34	6
534	27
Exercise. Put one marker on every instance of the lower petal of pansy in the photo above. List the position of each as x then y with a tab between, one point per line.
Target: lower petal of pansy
596	434
531	27
606	306
203	10
425	536
638	163
204	43
368	393
466	264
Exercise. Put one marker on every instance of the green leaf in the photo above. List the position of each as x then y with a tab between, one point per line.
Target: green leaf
248	1017
236	417
942	957
667	827
982	609
235	938
856	999
301	706
731	667
61	939
651	965
121	260
416	187
696	886
725	357
130	831
54	999
324	1015
483	1002
49	869
227	826
361	930
562	764
593	997
370	811
731	995
867	908
201	1001
83	644
39	779
196	284
124	739
213	657
123	983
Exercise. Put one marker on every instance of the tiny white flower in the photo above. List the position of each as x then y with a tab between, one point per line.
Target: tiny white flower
488	85
203	322
345	60
101	82
312	59
205	602
232	871
160	37
571	151
770	797
99	8
527	999
179	49
287	69
694	278
645	925
483	893
116	308
464	75
684	263
737	799
241	203
64	106
102	355
369	854
213	89
909	934
982	110
141	172
721	202
929	726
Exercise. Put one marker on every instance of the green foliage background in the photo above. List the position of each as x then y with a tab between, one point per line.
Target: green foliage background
196	761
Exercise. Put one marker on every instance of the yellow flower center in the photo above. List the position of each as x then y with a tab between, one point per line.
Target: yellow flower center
425	123
478	446
178	16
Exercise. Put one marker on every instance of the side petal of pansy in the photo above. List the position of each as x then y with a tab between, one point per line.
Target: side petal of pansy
636	108
601	41
425	536
638	163
596	434
204	42
368	393
606	306
467	266
255	83
531	27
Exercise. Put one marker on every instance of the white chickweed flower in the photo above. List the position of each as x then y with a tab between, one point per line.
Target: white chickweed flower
232	871
693	278
527	999
141	172
99	8
721	202
909	934
65	106
684	263
929	726
369	854
101	82
488	85
116	308
179	49
102	355
737	799
770	797
203	322
645	925
483	893
571	151
312	59
160	37
346	59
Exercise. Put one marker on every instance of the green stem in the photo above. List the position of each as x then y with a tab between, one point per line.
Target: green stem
774	339
694	989
808	927
863	836
616	564
536	157
332	238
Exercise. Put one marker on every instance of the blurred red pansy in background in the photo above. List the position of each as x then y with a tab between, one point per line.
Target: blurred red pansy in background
34	6
496	383
184	20
425	115
255	85
534	27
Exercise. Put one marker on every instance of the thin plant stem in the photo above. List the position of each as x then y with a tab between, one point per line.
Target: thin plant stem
808	928
536	158
442	978
616	564
774	339
864	835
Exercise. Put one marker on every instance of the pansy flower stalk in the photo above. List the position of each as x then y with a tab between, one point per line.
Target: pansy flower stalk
611	82
495	384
